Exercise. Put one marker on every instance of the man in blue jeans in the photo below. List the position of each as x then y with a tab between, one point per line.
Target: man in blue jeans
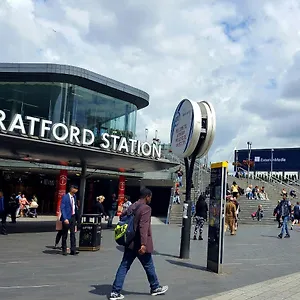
285	209
141	247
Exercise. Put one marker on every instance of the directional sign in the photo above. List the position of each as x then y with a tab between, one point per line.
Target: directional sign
194	124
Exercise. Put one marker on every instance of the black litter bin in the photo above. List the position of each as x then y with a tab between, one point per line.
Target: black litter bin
90	232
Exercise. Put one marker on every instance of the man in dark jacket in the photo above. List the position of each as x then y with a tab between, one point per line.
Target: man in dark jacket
12	208
3	214
141	247
285	209
277	213
112	210
200	216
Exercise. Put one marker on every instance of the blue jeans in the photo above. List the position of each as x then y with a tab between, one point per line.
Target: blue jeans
111	214
285	225
128	258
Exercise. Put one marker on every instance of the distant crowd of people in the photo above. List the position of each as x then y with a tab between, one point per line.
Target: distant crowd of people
16	206
256	193
284	211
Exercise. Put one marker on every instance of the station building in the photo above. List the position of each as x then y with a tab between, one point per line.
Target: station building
62	124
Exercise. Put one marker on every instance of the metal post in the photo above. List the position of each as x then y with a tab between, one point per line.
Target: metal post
187	218
249	157
82	187
272	158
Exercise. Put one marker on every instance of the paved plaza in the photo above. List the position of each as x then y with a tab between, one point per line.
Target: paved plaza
31	270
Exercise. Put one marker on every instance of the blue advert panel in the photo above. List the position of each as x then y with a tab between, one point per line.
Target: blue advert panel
284	159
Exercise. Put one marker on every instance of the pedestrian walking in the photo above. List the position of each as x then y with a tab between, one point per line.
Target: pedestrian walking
3	214
277	214
59	229
200	216
230	215
112	210
12	208
285	209
141	247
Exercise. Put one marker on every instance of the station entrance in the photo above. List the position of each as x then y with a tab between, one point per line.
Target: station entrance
44	184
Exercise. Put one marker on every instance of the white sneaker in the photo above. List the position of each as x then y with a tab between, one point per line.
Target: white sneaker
159	291
116	296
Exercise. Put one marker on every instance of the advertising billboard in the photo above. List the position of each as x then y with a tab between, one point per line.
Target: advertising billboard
284	159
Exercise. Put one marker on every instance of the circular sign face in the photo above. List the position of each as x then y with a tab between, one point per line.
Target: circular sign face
186	128
63	180
210	127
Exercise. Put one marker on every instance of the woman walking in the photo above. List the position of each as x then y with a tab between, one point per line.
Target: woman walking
200	216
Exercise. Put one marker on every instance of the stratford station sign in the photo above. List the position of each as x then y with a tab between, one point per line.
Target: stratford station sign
62	133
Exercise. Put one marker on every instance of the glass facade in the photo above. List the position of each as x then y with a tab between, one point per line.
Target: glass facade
69	104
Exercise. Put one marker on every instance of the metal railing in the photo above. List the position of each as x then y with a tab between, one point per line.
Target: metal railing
274	181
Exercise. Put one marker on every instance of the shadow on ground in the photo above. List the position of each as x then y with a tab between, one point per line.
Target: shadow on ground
105	290
269	236
187	265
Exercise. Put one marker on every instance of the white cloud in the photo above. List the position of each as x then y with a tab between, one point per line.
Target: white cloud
242	58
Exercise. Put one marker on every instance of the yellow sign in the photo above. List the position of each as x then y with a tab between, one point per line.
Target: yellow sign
222	164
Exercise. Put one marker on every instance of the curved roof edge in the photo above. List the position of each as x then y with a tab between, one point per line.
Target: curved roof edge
75	75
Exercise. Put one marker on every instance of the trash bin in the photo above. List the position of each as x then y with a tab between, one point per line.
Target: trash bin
90	232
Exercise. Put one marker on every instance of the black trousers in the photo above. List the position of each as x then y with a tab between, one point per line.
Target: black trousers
13	214
3	222
58	237
66	228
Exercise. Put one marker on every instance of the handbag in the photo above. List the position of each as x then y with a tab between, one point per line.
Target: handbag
58	225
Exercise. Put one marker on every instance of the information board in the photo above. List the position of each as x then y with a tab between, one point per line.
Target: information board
215	246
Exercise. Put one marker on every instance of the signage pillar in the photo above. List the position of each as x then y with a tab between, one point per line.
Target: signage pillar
215	246
192	134
82	187
121	194
61	188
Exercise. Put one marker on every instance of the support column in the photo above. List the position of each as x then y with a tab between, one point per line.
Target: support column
91	199
82	187
121	194
61	188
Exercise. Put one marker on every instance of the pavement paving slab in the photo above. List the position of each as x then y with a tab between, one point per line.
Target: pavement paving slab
31	270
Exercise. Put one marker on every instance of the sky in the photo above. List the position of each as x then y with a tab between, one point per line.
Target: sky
242	56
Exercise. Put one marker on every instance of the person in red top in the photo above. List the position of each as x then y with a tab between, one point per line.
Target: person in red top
141	247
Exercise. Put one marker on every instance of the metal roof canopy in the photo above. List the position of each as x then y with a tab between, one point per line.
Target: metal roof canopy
42	151
39	72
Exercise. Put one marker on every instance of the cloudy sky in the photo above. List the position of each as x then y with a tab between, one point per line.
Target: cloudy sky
242	55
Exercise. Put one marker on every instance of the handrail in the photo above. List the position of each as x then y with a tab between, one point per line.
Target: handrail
272	180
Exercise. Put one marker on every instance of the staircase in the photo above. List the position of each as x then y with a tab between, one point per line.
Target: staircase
247	207
201	179
273	190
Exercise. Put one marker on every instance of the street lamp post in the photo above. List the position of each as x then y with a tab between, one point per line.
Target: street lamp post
249	157
272	158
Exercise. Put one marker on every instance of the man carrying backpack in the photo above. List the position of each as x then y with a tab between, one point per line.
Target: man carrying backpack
285	209
140	247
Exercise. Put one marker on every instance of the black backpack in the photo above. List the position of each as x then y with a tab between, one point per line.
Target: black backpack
285	211
125	231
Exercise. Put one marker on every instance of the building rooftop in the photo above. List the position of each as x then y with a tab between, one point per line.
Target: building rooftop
42	72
